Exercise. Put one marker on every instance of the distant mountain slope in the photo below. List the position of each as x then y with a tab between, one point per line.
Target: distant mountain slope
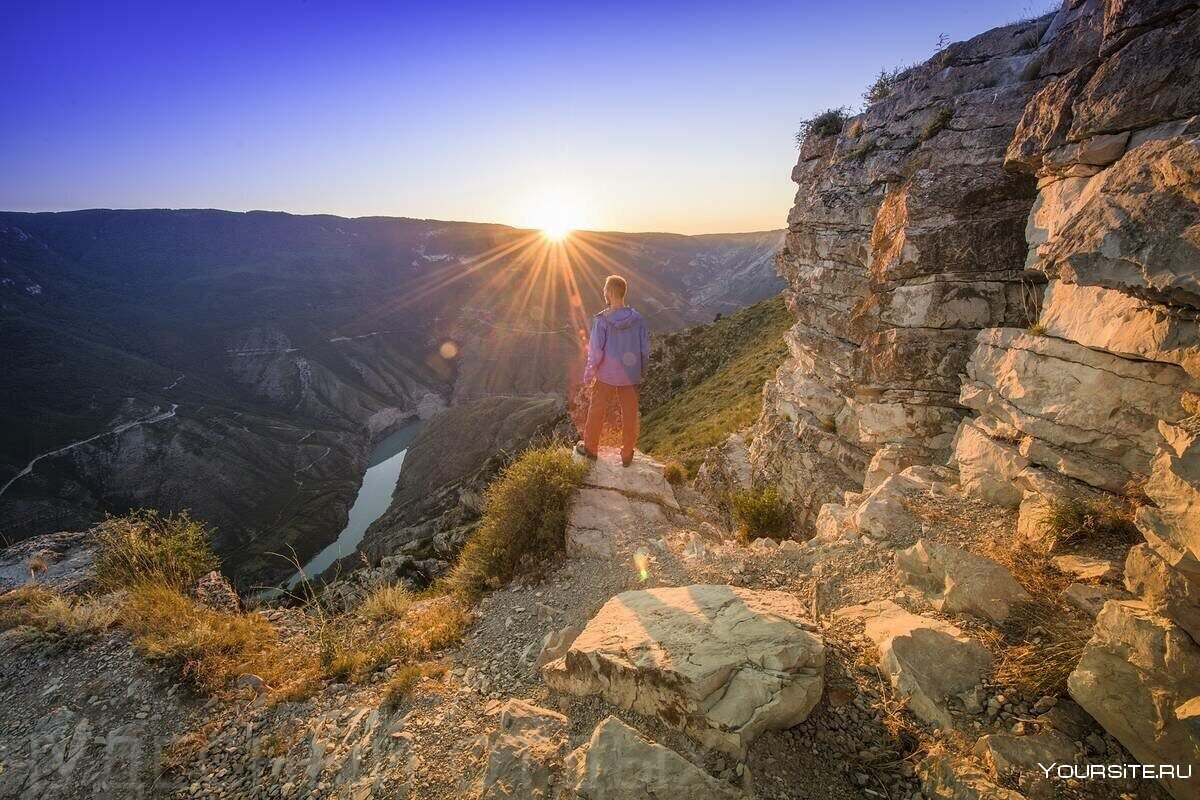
241	364
706	382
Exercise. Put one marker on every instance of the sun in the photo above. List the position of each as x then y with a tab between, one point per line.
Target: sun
555	212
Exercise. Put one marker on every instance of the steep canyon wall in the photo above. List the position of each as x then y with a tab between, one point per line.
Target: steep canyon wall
997	266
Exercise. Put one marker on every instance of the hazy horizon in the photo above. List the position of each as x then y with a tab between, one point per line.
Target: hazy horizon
779	229
633	118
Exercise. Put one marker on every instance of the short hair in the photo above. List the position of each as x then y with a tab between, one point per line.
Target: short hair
617	284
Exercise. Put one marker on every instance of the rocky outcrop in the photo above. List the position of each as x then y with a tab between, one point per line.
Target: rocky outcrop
1137	669
618	504
618	763
60	560
720	663
956	581
929	661
523	755
904	240
998	263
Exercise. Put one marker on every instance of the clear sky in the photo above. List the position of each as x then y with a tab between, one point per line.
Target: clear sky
675	116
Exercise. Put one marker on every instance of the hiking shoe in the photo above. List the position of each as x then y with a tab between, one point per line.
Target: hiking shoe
580	450
625	462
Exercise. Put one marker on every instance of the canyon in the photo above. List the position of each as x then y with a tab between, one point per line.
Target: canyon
243	365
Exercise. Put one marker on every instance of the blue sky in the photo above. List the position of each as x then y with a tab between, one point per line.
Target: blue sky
673	116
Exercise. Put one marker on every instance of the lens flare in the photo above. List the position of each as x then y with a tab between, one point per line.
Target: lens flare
641	560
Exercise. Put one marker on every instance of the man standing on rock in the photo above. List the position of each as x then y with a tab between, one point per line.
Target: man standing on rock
618	353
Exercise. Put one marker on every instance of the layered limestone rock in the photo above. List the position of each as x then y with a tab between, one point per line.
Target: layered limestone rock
1136	671
617	504
905	239
1095	396
999	263
721	663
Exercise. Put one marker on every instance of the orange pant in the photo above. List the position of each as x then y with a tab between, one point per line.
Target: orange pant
602	394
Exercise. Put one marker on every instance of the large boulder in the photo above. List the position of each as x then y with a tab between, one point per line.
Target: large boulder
1136	670
601	518
957	581
929	661
524	753
618	763
721	663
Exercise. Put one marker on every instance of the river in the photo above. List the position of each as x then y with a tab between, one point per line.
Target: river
374	497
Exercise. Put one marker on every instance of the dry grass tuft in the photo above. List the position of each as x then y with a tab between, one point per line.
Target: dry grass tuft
146	546
385	603
37	565
353	650
54	615
401	684
675	472
211	648
1078	519
1042	641
1045	647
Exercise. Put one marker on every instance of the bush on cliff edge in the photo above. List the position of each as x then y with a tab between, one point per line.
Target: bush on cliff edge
146	546
524	520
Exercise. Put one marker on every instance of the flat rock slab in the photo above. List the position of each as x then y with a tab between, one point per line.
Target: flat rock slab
927	660
948	778
957	581
644	477
600	519
721	663
1085	568
617	763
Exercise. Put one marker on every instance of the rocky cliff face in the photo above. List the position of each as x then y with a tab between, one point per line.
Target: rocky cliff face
999	265
905	240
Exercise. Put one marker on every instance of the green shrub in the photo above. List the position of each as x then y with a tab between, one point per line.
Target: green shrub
936	125
524	520
863	150
146	546
674	472
828	123
883	86
760	513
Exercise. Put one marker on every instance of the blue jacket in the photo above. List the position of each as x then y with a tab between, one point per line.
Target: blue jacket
619	349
